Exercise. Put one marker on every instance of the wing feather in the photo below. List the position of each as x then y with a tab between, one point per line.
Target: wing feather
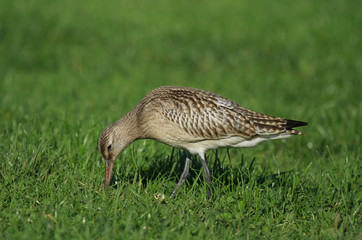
207	115
208	118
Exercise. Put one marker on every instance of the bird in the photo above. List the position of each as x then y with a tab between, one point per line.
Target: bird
192	119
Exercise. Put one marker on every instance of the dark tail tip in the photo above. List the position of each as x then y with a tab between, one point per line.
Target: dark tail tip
292	124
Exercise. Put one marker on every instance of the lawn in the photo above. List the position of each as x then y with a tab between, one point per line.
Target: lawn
70	68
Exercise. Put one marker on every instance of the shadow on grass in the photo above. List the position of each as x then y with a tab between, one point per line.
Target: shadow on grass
222	171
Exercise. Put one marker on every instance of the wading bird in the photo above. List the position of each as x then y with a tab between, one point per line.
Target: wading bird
192	119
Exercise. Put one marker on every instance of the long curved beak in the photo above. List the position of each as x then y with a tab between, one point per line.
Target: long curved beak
109	167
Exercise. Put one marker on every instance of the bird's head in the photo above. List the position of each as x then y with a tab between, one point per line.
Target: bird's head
110	145
117	137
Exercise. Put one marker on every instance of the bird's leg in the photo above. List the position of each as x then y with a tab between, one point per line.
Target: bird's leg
183	176
207	175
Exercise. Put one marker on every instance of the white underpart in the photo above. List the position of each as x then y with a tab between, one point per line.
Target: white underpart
261	138
202	146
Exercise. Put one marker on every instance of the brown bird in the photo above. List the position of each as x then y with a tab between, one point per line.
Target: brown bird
192	119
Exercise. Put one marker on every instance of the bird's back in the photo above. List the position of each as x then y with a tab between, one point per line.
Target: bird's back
202	115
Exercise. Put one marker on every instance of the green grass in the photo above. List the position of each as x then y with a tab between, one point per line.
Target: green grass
68	69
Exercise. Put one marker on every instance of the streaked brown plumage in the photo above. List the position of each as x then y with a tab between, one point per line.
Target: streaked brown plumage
192	119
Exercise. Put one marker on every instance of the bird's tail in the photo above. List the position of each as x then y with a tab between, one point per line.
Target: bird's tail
290	124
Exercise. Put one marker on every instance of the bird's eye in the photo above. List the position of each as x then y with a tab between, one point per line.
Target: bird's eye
109	148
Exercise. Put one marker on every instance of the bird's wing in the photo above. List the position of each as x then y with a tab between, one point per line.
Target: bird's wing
210	117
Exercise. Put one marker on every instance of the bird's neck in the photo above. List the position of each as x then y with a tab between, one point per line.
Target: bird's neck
128	127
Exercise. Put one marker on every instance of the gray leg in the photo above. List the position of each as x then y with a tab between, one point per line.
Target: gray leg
183	176
207	175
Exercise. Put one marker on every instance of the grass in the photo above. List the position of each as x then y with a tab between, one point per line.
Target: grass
68	69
